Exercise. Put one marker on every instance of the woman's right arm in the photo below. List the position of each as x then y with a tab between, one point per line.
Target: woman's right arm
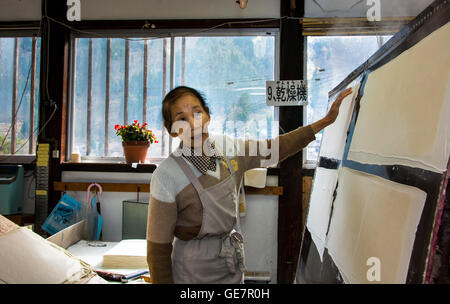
162	216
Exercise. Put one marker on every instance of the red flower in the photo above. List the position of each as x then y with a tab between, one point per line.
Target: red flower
134	132
156	141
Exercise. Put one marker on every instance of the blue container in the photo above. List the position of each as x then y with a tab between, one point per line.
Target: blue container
11	189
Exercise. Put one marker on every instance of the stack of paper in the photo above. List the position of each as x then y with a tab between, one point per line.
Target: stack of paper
127	254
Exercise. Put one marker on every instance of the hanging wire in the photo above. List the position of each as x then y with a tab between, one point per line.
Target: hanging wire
337	10
18	107
168	35
28	139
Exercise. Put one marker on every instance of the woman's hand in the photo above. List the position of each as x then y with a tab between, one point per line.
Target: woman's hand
334	109
332	113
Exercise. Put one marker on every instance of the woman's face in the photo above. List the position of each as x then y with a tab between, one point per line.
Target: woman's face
189	121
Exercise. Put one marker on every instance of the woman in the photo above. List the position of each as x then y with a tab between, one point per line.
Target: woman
192	229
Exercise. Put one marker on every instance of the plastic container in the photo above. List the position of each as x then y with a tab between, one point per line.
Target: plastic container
11	189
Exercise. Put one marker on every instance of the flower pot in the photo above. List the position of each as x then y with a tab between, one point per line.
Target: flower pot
135	151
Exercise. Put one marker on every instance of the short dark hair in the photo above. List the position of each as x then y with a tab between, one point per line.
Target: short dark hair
173	96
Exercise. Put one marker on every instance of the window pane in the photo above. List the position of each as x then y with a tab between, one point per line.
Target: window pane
329	61
231	72
98	97
6	91
157	69
23	88
116	94
25	75
135	84
158	81
80	94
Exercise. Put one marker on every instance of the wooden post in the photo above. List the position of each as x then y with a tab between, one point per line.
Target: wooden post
290	203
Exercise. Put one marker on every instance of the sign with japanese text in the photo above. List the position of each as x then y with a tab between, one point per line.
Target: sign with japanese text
286	93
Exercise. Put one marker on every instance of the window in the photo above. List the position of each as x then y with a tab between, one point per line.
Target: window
109	87
19	95
329	60
117	81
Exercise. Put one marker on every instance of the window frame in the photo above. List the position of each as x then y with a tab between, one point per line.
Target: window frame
172	34
22	30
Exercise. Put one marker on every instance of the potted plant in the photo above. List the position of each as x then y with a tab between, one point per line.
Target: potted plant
136	139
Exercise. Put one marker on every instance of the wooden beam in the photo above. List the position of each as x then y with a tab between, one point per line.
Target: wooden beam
290	203
109	187
268	190
134	187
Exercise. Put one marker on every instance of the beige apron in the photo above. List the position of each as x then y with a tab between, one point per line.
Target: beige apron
216	254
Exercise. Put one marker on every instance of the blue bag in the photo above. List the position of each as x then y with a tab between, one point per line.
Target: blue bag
66	213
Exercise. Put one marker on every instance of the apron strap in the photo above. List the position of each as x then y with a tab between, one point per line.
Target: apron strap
188	171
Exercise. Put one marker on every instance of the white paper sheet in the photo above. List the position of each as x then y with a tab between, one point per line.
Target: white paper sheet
405	111
320	206
30	259
335	136
373	217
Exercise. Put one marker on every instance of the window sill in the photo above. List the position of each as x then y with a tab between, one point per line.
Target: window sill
123	167
108	167
117	164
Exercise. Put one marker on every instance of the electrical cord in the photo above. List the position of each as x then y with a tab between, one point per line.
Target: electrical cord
191	33
18	107
42	129
337	10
